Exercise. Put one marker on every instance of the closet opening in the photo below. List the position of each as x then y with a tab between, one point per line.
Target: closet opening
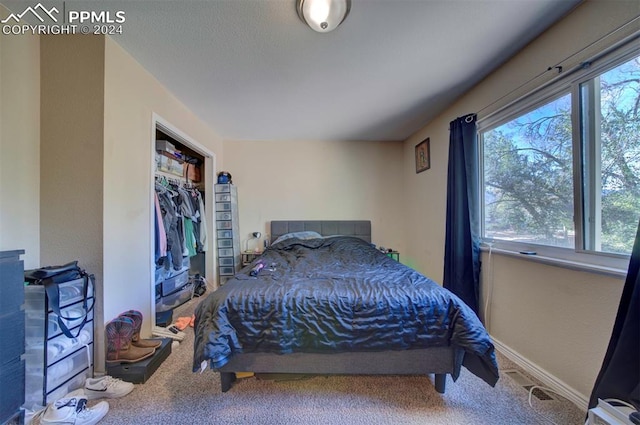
182	219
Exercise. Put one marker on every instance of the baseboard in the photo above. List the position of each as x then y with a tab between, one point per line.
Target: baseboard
580	400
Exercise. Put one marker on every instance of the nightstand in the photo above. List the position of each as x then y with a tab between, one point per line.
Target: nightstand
249	256
393	254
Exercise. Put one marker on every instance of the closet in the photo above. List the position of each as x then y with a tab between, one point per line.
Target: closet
180	224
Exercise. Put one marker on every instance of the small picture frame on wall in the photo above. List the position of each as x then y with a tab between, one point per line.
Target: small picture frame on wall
423	156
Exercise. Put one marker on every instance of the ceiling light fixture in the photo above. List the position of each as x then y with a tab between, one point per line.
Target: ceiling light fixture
323	15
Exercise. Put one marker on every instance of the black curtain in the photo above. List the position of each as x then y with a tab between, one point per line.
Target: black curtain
619	376
462	242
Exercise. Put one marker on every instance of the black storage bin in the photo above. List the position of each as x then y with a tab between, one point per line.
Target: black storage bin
139	372
164	318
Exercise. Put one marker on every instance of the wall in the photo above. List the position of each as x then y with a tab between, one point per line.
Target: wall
20	145
557	320
287	180
97	147
72	71
71	149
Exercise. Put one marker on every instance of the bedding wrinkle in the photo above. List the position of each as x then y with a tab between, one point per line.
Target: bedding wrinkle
337	294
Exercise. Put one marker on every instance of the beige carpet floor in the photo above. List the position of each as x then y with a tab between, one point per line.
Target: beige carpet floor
176	395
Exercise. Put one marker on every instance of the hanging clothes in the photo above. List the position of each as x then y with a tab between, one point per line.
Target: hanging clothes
161	235
190	212
173	227
190	240
203	226
181	212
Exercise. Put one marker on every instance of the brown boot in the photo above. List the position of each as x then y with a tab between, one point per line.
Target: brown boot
119	332
136	316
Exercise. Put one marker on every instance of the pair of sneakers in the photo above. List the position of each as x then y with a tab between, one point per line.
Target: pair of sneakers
73	409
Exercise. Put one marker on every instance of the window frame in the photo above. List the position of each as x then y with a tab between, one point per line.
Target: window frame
577	257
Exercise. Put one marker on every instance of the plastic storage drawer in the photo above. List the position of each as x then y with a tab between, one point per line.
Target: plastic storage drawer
35	318
61	346
67	387
223	188
177	298
159	274
227	271
61	371
57	348
226	261
225	243
70	292
35	396
220	224
60	375
74	311
223	206
174	283
225	197
223	215
225	252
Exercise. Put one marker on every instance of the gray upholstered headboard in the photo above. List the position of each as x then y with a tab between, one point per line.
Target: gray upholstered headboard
357	228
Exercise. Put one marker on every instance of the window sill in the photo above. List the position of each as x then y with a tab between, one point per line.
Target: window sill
567	264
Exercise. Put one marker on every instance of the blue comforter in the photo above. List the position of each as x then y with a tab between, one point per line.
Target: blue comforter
336	294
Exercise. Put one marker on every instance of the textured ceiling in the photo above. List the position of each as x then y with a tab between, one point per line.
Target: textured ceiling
254	71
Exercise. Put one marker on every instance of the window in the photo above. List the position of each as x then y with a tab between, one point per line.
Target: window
528	172
610	133
561	171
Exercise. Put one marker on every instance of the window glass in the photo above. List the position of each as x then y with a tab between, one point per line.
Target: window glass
610	131
561	168
528	172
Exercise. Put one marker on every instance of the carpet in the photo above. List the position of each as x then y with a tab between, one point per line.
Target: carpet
176	395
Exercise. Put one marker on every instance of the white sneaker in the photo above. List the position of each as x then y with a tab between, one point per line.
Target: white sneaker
76	393
168	332
106	387
73	411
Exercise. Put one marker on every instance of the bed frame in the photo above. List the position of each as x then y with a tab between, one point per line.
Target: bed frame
439	361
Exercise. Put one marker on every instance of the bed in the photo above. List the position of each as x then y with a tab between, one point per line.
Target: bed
333	304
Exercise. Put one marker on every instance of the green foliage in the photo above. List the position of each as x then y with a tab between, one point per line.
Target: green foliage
528	165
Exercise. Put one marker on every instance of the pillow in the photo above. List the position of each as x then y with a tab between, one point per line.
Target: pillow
299	235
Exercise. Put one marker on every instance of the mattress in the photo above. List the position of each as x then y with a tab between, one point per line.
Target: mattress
331	295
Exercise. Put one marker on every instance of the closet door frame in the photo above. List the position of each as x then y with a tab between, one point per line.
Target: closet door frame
208	172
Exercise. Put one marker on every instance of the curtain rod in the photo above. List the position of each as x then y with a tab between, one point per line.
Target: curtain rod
561	72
